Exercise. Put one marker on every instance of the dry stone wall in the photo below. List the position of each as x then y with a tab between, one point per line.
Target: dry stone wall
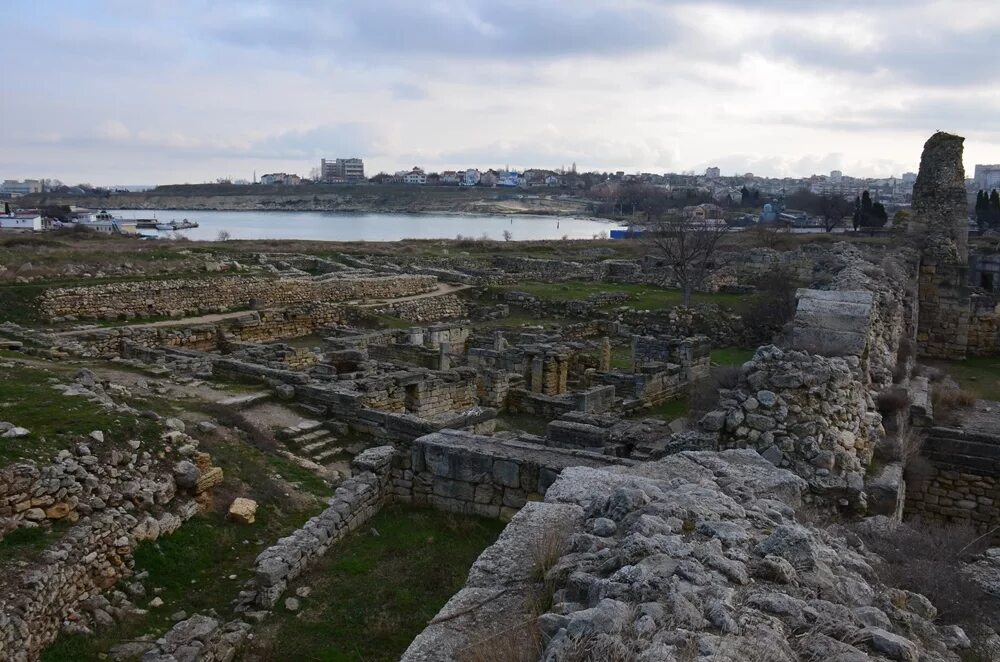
428	309
205	295
353	503
92	557
808	413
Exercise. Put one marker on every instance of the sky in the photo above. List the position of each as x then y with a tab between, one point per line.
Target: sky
124	92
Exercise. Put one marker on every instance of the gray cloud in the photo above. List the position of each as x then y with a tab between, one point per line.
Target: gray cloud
473	30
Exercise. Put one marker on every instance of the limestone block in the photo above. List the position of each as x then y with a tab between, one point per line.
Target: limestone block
242	510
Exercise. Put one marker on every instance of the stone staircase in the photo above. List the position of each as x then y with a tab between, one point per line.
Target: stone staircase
310	439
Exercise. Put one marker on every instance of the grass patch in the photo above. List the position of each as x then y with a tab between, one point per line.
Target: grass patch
192	567
372	594
19	303
28	400
732	355
668	410
21	544
979	375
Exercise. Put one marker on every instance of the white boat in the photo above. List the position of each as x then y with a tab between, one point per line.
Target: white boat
167	227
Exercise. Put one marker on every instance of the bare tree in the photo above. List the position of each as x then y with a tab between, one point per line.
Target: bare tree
223	235
832	208
687	248
507	235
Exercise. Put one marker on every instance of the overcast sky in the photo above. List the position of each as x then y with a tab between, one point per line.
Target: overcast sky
126	92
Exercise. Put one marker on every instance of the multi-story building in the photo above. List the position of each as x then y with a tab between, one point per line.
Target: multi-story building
836	176
713	172
987	177
340	170
13	188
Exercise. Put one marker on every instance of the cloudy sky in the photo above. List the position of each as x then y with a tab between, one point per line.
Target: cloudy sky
125	92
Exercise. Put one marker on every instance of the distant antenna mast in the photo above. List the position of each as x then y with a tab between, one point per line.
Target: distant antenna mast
255	175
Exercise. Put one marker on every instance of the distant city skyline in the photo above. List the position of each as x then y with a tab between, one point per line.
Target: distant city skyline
188	92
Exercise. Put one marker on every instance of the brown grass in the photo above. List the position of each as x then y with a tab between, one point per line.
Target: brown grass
928	559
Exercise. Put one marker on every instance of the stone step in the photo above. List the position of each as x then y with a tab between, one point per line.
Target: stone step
327	455
311	436
302	427
316	446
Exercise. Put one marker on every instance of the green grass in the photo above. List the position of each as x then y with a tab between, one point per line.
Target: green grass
24	543
979	375
372	594
641	296
28	400
19	303
668	410
732	355
192	567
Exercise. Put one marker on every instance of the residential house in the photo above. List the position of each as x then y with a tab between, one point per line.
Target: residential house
414	176
471	177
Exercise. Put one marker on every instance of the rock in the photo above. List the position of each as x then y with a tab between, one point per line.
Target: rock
85	377
242	510
178	616
186	474
97	436
303	591
174	424
156	602
292	604
207	426
954	637
891	645
604	527
15	432
129	650
767	398
34	514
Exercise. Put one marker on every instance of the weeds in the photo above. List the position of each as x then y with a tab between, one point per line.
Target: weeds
928	559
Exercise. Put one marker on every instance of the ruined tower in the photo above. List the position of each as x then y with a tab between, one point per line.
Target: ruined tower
940	209
941	226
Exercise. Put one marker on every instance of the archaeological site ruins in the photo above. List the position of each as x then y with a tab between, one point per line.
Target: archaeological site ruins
506	451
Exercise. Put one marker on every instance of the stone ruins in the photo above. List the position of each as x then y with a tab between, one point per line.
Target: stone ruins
630	534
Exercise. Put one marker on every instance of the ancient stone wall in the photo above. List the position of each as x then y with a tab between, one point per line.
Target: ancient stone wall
960	481
92	557
117	502
984	326
462	472
353	503
808	413
428	309
652	554
252	326
197	296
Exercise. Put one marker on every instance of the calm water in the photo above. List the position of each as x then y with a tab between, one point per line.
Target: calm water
333	226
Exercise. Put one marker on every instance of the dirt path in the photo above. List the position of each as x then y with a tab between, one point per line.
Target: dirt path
441	289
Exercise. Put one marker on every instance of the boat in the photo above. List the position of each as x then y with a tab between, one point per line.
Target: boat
166	227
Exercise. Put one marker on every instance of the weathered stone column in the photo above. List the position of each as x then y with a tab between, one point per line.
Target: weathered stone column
605	363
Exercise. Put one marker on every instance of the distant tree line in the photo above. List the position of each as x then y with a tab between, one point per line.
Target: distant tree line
988	209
